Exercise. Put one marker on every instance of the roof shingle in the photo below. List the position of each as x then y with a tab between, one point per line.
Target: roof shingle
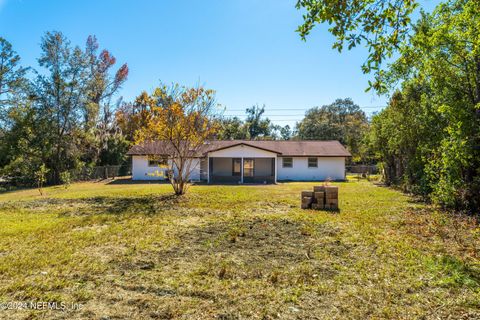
320	148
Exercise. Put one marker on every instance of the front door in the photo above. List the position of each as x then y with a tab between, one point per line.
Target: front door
248	170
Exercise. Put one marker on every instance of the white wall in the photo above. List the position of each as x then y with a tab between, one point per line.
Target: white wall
141	170
242	151
328	168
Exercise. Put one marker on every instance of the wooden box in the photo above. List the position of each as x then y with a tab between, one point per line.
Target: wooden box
319	197
318	206
307	194
331	204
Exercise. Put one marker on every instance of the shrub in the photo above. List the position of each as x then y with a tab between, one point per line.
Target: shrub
41	177
65	178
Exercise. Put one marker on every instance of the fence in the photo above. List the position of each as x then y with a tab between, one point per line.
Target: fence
83	174
102	172
362	169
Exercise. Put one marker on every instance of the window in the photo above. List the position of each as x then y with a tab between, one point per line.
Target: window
236	167
156	161
248	167
312	162
287	162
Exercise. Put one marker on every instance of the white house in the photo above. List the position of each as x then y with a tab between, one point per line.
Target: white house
243	161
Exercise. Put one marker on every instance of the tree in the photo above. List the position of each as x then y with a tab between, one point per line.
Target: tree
286	133
63	117
381	25
41	177
442	55
67	98
342	120
404	136
232	129
12	78
256	126
130	117
183	119
21	147
60	99
99	124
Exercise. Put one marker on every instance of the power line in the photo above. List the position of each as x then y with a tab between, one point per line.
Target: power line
301	109
268	115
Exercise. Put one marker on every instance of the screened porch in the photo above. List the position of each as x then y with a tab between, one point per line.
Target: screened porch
241	170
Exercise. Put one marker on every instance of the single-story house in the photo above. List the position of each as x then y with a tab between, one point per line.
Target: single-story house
244	161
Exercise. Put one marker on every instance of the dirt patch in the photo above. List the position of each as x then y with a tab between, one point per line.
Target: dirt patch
251	242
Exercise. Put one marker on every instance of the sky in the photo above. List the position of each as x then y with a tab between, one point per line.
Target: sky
246	50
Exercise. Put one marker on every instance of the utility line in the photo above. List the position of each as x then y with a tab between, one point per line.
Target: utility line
301	109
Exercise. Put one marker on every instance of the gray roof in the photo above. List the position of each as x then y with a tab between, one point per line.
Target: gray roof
320	148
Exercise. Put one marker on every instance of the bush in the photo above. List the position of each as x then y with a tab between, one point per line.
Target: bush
65	178
41	177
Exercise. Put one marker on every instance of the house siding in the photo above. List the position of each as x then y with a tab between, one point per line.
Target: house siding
242	151
328	168
141	170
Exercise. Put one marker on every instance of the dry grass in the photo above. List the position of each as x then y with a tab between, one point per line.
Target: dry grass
233	252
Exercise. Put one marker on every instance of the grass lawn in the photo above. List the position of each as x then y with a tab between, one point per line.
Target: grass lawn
230	252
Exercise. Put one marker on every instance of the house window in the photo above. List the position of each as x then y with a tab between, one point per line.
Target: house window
236	167
287	162
248	167
157	161
313	162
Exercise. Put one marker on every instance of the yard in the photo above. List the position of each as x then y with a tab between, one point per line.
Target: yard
227	252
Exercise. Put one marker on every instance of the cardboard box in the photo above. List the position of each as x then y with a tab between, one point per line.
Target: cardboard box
307	199
307	194
331	204
318	206
319	197
306	202
331	190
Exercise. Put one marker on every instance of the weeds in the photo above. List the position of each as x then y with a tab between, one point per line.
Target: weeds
231	252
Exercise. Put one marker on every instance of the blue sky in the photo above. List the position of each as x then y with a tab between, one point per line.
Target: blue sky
247	50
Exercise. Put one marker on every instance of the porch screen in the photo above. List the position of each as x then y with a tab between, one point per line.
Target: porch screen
248	167
236	167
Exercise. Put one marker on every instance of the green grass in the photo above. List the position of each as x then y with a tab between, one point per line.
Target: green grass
228	252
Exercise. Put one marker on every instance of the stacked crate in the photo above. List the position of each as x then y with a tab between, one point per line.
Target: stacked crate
322	197
319	194
307	199
331	197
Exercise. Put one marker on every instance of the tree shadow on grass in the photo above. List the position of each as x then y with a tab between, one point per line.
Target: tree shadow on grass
128	181
147	205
